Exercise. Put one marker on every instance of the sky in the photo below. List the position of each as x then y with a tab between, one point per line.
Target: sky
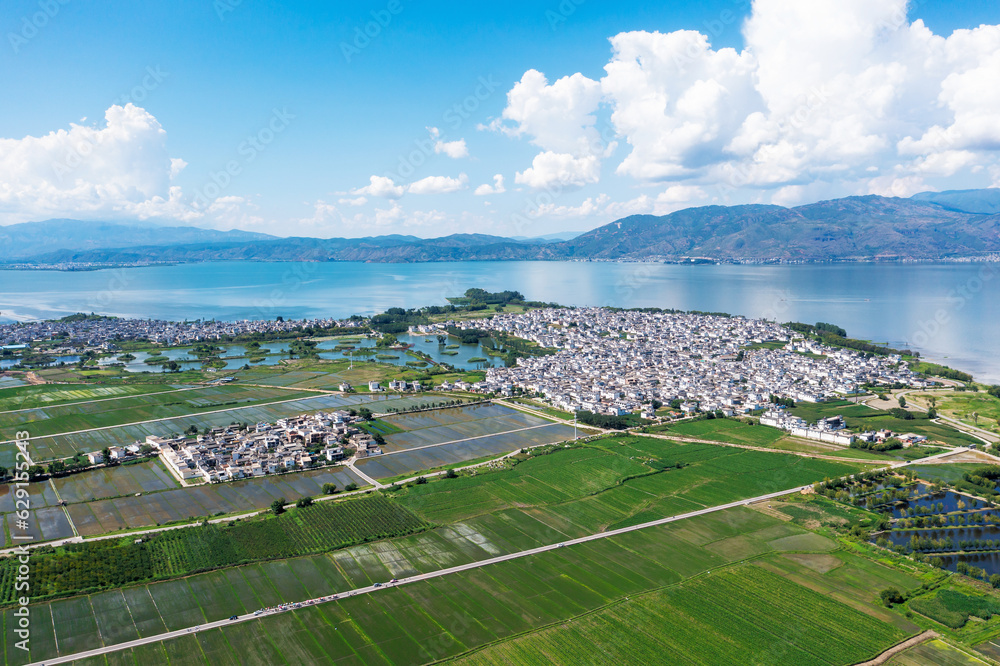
335	119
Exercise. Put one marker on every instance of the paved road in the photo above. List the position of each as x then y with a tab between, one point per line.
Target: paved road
413	579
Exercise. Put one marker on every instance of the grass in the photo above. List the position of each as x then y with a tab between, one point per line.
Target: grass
961	405
935	652
725	430
953	608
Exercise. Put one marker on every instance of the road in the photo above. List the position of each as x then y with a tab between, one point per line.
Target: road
414	579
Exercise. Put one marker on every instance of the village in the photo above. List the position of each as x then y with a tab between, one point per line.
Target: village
103	332
619	362
237	452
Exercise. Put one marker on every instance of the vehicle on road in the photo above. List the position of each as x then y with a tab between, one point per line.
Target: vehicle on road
235	617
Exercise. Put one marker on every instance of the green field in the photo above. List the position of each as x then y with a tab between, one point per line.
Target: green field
111	563
725	430
214	407
47	395
935	652
619	481
571	599
722	618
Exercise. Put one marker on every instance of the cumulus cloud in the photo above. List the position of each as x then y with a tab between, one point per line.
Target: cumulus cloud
496	188
120	169
844	92
382	187
439	185
590	207
454	149
560	170
357	201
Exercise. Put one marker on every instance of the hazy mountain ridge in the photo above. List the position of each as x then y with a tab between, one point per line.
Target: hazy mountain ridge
29	239
860	228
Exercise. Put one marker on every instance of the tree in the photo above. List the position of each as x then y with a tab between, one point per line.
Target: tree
329	488
350	487
902	401
278	506
450	474
304	502
975	417
891	596
995	580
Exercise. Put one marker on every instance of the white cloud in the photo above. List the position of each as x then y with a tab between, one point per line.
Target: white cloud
456	150
380	186
176	166
439	185
357	201
824	92
558	117
496	188
590	207
119	170
559	170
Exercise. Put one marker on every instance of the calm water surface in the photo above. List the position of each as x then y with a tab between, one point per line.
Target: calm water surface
948	312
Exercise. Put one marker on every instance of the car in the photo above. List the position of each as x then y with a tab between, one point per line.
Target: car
235	617
394	580
378	585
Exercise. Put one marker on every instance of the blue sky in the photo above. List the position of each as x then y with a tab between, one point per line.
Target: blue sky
276	117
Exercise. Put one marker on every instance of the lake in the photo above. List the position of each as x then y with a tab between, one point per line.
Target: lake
948	312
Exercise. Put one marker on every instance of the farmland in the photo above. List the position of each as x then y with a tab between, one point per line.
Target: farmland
725	430
206	409
717	619
113	563
446	437
47	395
99	413
619	481
105	500
180	504
579	599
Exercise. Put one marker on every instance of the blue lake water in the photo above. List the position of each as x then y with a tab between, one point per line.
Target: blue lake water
949	312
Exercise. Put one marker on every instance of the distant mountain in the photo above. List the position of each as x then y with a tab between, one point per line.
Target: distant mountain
986	202
869	228
19	241
550	238
855	228
383	249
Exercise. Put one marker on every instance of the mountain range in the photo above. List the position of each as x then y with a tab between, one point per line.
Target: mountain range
927	227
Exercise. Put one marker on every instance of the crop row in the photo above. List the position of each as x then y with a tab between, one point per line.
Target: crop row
112	563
